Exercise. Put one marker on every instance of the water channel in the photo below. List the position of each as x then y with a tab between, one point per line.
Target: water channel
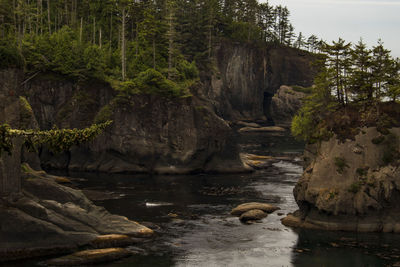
196	229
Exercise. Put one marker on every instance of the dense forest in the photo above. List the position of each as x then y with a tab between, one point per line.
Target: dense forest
137	46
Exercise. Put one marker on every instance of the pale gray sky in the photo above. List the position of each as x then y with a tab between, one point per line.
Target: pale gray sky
349	19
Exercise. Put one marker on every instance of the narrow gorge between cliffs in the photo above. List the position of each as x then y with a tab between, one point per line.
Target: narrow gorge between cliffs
190	214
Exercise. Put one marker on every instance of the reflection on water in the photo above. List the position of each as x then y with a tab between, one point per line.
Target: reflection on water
202	233
196	228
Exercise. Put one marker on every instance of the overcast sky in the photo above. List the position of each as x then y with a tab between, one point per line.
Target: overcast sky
349	19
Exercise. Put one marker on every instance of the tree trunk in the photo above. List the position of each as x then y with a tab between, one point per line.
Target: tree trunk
15	18
154	53
37	16
66	13
80	31
29	17
137	39
111	31
100	37
94	30
123	45
170	42
48	16
41	17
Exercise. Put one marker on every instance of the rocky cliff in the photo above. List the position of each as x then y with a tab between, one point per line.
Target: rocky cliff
38	216
150	134
247	76
285	104
352	185
154	134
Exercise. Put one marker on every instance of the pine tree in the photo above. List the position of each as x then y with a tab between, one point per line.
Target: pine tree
381	65
361	78
300	42
338	60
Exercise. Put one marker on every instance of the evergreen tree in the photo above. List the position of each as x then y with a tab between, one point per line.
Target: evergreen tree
381	65
300	42
361	78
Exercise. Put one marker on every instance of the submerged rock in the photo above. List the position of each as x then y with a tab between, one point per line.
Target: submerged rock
90	257
248	124
109	241
269	129
253	215
239	210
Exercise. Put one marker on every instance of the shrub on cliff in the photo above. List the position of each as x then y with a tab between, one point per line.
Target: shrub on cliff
10	57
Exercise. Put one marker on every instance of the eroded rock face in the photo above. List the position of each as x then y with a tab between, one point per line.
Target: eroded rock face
285	104
48	218
351	185
150	134
249	75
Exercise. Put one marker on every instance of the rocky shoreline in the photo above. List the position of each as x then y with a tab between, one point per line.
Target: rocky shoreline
48	218
352	185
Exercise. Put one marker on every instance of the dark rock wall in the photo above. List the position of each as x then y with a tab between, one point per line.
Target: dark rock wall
150	134
10	180
248	76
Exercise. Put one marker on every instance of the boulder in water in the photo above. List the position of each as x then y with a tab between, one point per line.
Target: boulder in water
268	208
253	215
90	257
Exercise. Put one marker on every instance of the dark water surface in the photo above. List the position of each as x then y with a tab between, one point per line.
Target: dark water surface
196	228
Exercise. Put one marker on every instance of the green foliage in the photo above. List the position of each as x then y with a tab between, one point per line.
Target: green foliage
303	125
349	93
10	57
26	112
362	172
355	187
104	114
301	89
56	140
6	144
188	71
153	82
341	164
378	140
95	60
308	124
243	31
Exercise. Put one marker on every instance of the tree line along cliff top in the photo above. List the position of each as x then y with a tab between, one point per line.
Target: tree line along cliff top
162	43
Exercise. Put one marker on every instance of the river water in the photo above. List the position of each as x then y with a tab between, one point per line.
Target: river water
196	229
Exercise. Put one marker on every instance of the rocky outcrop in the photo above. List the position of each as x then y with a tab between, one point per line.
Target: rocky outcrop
153	134
253	215
285	104
150	134
247	76
352	185
253	211
47	218
94	256
239	210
